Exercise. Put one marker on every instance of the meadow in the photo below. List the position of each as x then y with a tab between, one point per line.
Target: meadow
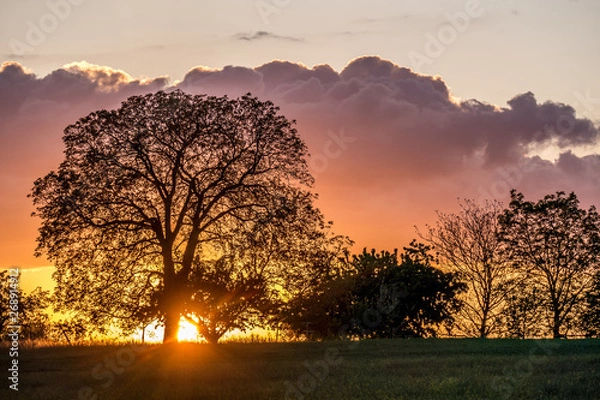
372	369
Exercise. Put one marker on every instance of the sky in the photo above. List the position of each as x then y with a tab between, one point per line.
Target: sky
406	106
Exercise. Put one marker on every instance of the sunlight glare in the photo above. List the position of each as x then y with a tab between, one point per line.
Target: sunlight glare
187	332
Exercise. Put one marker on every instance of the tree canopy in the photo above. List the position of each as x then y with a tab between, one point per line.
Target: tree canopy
380	296
150	191
556	245
468	244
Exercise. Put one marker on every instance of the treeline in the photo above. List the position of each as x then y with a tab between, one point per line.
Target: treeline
529	270
200	207
35	320
380	295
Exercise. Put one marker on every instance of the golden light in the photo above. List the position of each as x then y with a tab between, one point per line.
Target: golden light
187	332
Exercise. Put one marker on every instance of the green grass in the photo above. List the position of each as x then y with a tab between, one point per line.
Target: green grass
377	369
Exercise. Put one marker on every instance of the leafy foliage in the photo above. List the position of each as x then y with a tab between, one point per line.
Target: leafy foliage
145	191
32	310
523	314
380	297
69	330
34	316
556	246
590	319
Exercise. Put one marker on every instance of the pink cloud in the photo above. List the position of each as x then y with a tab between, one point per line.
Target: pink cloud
389	146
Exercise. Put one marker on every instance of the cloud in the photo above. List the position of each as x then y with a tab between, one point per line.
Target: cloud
409	120
234	81
411	147
33	113
261	35
389	146
74	83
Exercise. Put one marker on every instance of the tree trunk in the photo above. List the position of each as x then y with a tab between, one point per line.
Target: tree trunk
171	327
172	300
212	334
483	327
173	306
213	338
556	326
556	331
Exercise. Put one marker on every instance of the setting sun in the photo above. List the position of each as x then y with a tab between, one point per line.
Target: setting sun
187	332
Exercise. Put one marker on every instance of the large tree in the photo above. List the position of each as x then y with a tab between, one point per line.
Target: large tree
556	244
467	243
146	190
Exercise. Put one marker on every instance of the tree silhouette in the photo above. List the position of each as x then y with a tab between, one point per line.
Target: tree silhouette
380	297
255	273
523	314
590	319
556	245
468	244
31	314
5	304
146	190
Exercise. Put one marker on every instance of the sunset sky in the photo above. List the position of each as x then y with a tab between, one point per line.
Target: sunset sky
405	106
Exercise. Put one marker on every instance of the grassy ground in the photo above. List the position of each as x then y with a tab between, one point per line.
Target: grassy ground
378	369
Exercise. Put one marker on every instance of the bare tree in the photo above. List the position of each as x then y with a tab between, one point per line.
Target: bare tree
557	245
144	190
467	243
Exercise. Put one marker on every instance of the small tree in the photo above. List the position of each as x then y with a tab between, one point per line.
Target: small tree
71	330
5	306
32	307
590	319
410	297
557	245
468	244
227	296
523	313
314	295
35	321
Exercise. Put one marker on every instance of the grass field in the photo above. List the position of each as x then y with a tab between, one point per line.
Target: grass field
377	369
